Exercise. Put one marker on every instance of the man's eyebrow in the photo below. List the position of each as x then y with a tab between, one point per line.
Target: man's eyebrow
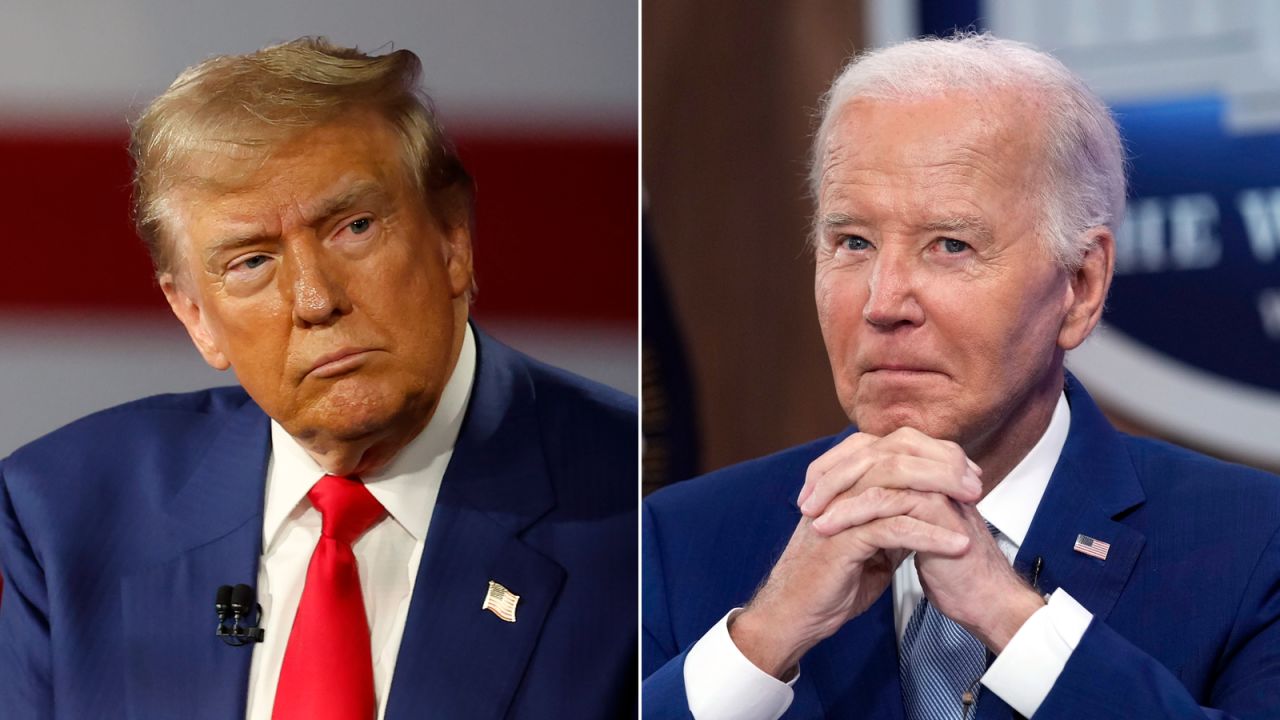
231	242
966	224
836	219
364	190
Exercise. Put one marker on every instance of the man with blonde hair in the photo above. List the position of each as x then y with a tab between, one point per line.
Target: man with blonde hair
434	523
982	543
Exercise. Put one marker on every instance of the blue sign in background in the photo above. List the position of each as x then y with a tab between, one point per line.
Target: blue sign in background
1206	317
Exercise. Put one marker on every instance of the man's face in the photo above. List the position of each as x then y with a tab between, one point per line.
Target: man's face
939	304
323	279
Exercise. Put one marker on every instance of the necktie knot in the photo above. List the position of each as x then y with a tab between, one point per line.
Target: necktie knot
347	507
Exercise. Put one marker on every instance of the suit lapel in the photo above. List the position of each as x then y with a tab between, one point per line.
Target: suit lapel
1093	484
456	659
213	534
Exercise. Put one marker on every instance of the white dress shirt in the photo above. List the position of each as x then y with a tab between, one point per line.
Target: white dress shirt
387	555
721	684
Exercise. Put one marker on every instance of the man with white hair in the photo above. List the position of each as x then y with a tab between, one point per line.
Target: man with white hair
982	543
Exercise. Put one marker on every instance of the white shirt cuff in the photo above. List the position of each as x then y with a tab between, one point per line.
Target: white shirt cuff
1025	672
720	683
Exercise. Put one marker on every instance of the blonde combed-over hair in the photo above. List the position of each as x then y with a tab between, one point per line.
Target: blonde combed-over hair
243	106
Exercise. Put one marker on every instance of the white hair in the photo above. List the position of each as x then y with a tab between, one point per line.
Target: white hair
1084	182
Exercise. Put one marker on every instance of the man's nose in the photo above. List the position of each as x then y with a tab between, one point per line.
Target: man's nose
317	285
892	288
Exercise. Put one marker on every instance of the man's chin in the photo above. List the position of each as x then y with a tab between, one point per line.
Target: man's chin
349	412
882	420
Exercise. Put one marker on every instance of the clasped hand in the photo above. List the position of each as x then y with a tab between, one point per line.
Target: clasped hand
867	504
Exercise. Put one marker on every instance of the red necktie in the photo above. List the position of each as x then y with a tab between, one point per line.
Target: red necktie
328	666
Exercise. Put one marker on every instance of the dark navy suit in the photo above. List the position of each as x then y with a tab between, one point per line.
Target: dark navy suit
1186	606
116	531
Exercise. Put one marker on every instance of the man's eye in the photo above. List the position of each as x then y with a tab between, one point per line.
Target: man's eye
360	226
254	261
854	242
953	246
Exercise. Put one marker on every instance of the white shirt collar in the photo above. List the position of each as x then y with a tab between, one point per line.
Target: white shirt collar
1012	504
405	487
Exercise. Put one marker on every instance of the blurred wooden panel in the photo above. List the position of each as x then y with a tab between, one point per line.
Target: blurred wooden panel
729	97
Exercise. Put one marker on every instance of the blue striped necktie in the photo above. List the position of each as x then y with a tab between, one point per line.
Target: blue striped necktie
940	664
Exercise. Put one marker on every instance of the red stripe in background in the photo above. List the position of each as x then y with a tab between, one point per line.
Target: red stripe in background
555	234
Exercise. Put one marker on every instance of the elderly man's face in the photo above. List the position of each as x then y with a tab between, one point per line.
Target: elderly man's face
940	307
322	278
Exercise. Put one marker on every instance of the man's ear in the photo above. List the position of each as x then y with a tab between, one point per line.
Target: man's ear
193	319
1088	288
457	257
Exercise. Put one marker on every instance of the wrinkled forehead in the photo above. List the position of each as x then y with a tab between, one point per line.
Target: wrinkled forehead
997	135
347	153
216	168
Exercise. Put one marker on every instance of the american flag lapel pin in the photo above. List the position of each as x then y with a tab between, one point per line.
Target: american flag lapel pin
1092	547
501	602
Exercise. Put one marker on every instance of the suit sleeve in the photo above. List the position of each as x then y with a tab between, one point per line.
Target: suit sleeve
1108	677
662	695
25	656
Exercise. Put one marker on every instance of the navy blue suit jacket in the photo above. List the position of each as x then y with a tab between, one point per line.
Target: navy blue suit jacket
1186	606
116	531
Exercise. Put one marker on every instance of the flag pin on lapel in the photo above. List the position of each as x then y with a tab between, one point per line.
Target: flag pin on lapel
1092	547
501	602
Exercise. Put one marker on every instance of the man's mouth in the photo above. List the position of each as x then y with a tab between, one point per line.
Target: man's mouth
339	362
900	368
